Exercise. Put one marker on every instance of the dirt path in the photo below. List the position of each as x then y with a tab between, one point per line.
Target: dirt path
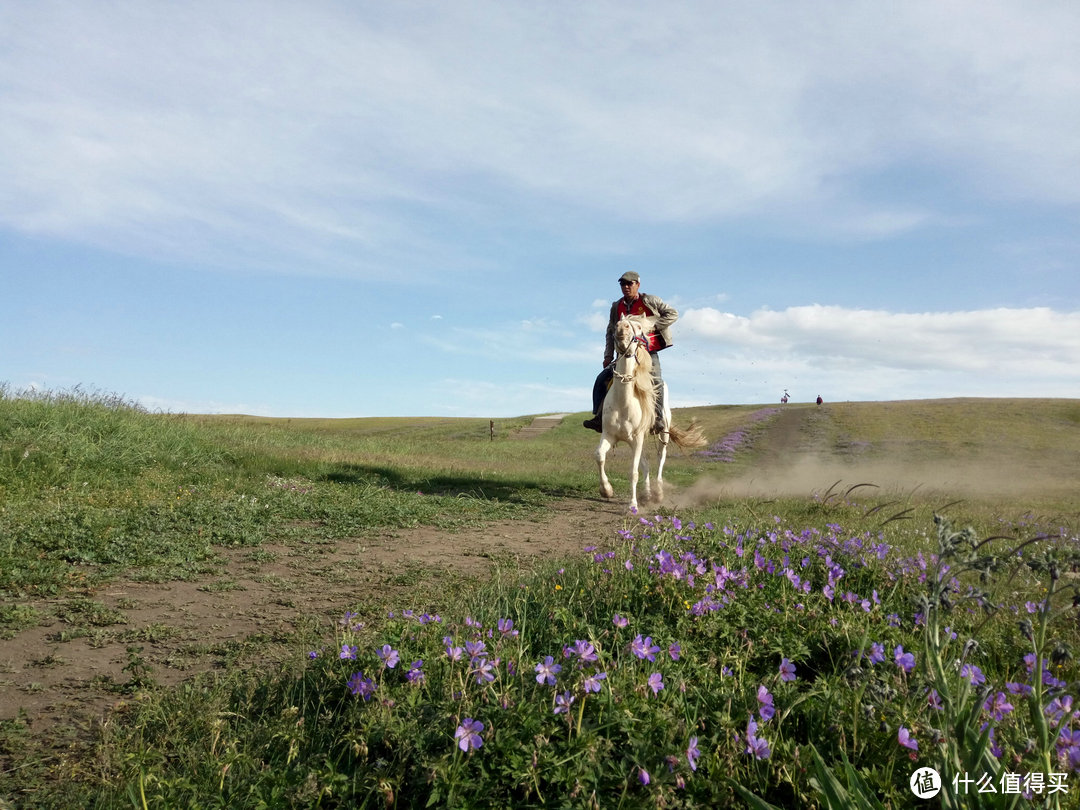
539	425
797	430
60	679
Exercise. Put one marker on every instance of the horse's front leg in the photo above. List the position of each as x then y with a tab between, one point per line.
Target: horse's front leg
660	459
601	456
665	438
643	465
635	462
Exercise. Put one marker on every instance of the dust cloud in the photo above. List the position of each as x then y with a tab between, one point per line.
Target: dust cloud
810	476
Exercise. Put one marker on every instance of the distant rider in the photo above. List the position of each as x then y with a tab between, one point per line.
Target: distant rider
634	302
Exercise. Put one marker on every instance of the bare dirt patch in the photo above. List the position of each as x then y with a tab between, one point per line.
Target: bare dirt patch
53	675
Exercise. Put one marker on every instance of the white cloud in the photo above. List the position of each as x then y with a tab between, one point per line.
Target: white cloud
883	355
206	128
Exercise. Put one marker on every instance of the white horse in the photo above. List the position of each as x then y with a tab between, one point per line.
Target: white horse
629	408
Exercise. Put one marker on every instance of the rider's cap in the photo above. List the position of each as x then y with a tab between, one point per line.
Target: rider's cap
630	276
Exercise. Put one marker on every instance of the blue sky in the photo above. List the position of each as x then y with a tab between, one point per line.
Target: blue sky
367	208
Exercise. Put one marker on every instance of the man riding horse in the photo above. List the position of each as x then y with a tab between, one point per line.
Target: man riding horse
634	302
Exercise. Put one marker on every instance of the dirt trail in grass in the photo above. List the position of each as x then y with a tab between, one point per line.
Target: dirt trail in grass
60	679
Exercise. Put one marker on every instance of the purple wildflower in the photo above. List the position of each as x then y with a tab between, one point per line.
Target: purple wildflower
348	652
468	734
620	621
756	745
415	674
644	649
585	651
656	682
389	656
506	627
787	670
1068	747
905	739
562	703
692	753
1058	709
475	649
973	674
361	686
592	683
546	671
877	653
766	709
483	670
674	650
906	661
643	776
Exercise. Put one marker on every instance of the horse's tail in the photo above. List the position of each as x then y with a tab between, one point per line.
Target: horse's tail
690	438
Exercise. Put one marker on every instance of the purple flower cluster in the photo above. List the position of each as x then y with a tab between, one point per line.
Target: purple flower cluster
829	570
756	746
724	450
361	686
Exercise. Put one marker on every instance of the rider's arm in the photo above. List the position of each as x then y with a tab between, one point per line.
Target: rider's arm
609	336
665	314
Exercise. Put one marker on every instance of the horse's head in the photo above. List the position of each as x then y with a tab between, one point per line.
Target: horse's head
630	333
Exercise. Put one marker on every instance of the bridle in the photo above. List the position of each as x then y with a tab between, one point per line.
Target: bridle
630	353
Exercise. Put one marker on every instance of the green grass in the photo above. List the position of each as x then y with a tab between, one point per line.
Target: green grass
92	488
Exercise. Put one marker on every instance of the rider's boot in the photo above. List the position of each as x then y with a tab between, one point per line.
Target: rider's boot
595	423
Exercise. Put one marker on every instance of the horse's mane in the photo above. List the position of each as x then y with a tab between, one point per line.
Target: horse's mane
644	385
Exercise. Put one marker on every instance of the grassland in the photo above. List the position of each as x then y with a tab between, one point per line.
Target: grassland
94	492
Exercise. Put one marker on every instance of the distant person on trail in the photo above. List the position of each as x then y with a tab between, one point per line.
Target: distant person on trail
634	302
819	399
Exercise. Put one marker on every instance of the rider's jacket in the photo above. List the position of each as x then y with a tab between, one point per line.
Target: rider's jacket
638	308
651	305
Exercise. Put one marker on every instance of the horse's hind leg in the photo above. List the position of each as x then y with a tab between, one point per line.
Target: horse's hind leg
601	455
665	438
